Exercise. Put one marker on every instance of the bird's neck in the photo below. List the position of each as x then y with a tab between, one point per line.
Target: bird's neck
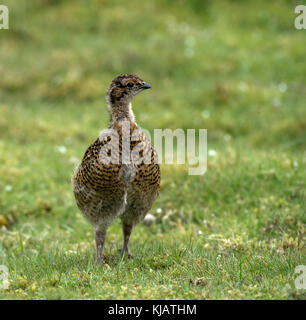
120	112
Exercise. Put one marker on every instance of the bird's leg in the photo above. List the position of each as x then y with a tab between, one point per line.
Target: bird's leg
100	240
127	230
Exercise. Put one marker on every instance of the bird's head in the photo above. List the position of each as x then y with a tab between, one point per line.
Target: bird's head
124	88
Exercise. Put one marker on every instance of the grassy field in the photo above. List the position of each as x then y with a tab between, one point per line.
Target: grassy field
236	68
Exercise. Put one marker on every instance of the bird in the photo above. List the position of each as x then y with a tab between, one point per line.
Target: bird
119	175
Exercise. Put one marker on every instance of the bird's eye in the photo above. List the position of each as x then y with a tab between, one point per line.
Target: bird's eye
130	84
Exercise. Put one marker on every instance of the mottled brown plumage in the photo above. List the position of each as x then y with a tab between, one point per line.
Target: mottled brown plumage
119	175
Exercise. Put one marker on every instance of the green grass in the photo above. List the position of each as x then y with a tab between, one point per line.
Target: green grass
235	68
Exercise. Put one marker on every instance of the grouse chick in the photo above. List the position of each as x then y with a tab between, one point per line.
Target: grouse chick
119	176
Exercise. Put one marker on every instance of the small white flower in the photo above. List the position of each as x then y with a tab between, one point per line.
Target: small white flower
295	164
151	270
212	153
200	232
8	188
205	114
61	149
282	87
159	210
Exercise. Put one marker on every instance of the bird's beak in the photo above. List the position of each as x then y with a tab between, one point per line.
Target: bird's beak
145	86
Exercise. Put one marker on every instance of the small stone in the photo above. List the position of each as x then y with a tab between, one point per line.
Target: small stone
149	219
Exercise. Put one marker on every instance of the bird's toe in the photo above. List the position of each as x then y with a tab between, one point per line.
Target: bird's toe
126	253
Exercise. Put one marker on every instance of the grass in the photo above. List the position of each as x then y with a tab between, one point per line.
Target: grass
235	68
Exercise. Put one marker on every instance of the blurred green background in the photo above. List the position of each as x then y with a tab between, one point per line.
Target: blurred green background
237	68
232	67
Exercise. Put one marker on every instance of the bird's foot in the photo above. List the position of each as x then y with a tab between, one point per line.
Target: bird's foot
99	262
125	252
